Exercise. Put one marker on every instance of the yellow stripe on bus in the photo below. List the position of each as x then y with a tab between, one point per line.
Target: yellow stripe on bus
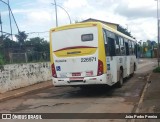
78	25
75	52
51	55
101	49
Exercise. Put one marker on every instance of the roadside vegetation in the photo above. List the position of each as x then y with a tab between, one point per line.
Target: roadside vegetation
36	49
157	70
1	59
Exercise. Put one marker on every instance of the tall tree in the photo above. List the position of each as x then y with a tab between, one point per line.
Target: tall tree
21	37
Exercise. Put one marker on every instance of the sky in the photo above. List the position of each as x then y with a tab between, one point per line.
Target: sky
138	16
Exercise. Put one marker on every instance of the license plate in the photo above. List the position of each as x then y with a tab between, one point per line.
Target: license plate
76	74
76	78
89	73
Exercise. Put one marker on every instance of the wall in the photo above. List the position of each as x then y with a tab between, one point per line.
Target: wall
15	76
112	26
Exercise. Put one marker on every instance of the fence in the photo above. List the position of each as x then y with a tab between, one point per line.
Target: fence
29	57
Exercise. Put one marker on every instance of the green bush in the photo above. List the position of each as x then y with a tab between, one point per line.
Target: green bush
157	70
1	60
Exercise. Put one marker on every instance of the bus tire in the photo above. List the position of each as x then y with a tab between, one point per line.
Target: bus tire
134	67
120	82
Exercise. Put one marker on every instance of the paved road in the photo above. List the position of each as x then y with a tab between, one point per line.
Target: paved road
75	100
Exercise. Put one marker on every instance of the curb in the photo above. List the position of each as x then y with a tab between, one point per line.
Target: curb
8	95
141	97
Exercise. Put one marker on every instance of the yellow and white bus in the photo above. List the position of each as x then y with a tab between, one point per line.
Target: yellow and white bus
90	53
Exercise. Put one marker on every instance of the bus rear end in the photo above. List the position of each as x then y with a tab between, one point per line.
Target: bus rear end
75	55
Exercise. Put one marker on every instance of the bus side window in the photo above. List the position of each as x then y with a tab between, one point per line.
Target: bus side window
127	46
130	47
111	43
133	47
111	46
122	49
105	42
117	46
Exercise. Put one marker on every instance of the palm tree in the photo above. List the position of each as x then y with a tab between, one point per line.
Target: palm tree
21	37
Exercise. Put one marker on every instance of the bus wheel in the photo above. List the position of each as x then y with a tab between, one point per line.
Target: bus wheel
134	67
120	82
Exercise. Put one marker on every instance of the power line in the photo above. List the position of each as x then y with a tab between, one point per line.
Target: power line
10	21
1	25
12	14
6	33
27	33
14	19
37	32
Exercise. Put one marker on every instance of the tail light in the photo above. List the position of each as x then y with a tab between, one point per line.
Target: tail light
100	68
54	71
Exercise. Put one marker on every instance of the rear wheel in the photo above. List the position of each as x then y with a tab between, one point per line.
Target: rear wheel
120	82
134	67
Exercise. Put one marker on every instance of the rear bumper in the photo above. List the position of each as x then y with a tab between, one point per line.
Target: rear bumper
86	81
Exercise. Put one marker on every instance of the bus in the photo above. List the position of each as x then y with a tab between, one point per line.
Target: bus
91	53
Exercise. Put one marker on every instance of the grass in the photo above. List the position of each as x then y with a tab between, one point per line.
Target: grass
157	70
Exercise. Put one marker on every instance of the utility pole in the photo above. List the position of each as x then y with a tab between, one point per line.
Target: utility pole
56	13
158	53
1	39
65	11
1	26
11	14
10	22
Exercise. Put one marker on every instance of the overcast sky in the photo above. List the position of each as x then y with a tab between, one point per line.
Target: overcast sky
139	16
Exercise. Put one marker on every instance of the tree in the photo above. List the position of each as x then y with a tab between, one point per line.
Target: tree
1	48
124	31
77	21
21	37
39	44
5	42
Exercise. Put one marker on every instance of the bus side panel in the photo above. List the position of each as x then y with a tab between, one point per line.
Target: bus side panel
51	54
51	50
115	63
101	48
124	66
130	64
120	63
112	69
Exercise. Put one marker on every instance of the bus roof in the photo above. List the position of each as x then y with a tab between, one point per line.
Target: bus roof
90	24
117	32
76	25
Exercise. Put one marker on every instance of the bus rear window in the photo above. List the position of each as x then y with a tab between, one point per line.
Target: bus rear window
87	37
